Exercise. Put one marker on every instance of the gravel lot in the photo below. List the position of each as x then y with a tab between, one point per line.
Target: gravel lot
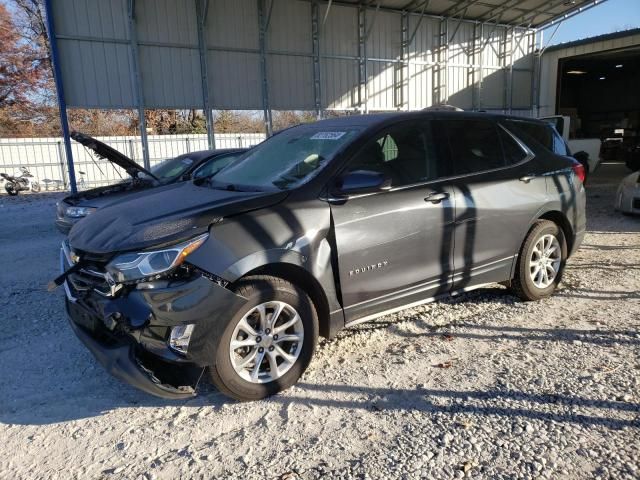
482	386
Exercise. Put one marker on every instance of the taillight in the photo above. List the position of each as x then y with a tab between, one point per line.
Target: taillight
578	169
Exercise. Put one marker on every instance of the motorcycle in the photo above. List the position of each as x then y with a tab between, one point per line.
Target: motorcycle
24	182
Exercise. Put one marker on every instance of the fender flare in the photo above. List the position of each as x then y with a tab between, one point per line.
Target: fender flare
320	269
552	206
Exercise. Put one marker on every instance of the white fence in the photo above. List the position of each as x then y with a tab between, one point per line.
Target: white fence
45	157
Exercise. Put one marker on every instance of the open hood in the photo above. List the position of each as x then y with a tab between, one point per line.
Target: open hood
103	150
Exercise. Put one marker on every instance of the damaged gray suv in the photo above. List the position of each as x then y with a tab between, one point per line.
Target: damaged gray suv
320	227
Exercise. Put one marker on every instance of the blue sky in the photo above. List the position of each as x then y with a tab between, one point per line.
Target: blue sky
610	16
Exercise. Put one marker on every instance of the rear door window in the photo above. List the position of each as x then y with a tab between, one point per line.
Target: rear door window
475	146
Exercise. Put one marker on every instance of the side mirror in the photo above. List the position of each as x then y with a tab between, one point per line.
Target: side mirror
362	181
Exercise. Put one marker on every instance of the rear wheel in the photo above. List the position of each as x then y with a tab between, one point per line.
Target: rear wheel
11	189
268	344
541	262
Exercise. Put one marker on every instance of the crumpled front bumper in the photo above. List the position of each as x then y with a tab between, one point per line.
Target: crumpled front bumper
128	334
120	361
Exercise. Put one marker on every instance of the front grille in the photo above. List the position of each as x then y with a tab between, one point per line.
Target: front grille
636	203
84	280
92	276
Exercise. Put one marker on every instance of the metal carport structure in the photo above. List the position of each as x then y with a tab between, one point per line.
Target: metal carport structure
375	55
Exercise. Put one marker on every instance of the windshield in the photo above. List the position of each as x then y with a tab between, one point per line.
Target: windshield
172	168
285	160
214	165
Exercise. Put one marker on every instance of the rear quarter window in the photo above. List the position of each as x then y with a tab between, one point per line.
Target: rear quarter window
475	146
541	133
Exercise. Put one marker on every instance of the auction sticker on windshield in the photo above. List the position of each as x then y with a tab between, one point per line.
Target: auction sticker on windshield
328	135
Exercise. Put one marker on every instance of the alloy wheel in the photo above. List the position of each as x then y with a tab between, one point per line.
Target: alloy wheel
266	342
544	262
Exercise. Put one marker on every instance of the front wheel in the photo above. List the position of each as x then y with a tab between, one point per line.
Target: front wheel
268	344
35	187
541	262
11	188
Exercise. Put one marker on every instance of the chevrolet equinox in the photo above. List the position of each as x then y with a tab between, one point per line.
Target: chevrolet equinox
320	227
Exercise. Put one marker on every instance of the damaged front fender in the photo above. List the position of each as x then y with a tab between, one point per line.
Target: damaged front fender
201	302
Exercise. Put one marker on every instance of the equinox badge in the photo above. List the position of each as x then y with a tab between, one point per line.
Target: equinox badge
367	268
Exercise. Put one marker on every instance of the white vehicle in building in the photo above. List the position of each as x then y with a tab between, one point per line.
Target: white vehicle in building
585	150
628	195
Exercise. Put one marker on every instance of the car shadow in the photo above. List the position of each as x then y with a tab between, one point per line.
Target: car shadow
77	393
516	405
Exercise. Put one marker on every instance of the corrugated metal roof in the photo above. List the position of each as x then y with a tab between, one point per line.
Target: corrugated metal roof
598	38
527	13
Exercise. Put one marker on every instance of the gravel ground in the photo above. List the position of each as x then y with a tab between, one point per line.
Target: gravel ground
480	386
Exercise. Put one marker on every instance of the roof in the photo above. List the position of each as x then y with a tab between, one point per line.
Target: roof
371	120
525	13
598	38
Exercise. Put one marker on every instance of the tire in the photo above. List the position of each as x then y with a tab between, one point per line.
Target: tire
524	284
35	187
11	189
270	292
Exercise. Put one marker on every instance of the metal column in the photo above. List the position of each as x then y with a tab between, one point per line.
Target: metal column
362	59
263	25
443	62
62	106
476	64
136	82
511	55
480	62
202	8
315	39
401	80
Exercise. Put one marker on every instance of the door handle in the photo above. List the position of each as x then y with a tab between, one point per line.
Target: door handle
436	197
527	178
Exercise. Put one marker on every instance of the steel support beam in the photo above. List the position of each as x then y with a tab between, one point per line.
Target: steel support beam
202	8
537	71
443	62
425	5
571	13
529	15
498	11
263	25
362	59
136	82
511	53
401	80
480	69
62	105
315	41
475	52
458	8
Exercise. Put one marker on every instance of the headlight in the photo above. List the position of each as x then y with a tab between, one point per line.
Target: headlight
79	212
130	267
